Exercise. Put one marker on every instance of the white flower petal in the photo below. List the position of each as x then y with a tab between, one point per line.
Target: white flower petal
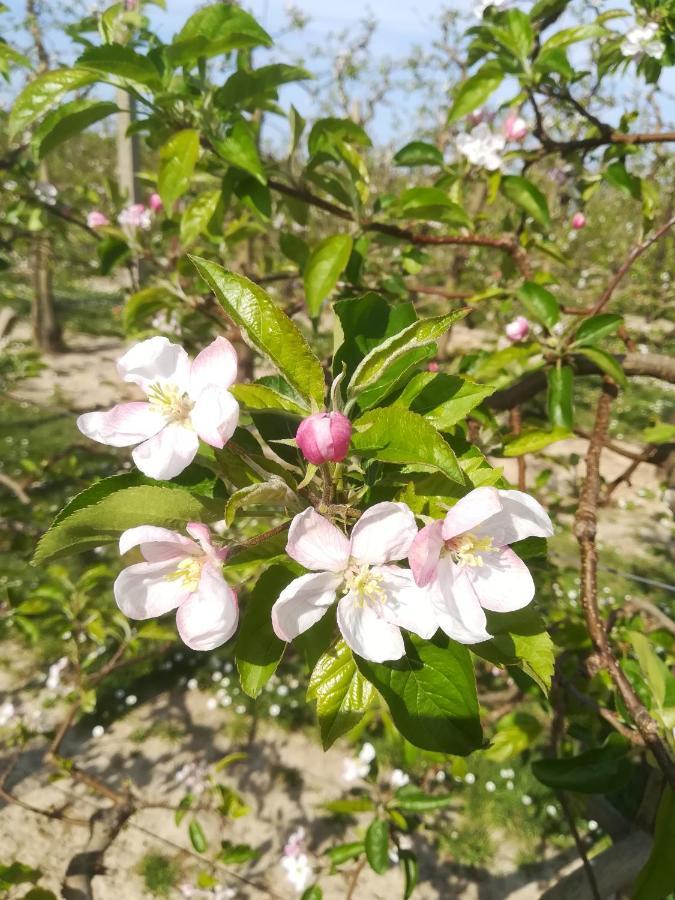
156	360
157	544
407	605
210	615
425	553
215	366
303	602
316	543
384	533
368	635
215	416
503	583
168	453
456	605
479	505
123	425
521	516
144	591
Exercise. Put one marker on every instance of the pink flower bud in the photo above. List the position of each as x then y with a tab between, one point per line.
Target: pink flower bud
324	437
476	117
578	220
515	128
432	366
518	330
155	202
96	219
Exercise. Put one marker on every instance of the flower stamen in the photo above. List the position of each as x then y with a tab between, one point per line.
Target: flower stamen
168	400
366	586
467	549
189	571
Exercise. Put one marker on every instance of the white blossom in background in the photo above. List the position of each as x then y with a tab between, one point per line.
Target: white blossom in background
193	776
136	216
643	39
219	892
54	674
167	324
7	713
482	147
295	862
399	778
367	753
46	193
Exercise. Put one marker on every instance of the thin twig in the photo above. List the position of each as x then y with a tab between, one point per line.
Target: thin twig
581	850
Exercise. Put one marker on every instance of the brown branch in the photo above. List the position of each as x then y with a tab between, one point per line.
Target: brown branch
585	526
439	292
15	488
581	850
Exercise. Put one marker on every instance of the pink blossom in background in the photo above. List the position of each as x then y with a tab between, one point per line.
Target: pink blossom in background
182	573
517	330
136	216
377	599
155	202
187	400
324	437
432	366
578	220
96	219
515	127
466	562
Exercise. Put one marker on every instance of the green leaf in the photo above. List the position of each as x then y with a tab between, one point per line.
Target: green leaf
258	650
656	878
197	216
44	92
606	363
38	893
111	251
559	398
178	160
145	303
653	668
473	92
18	873
243	88
313	892
101	513
598	771
349	805
342	694
540	303
363	323
431	694
343	852
443	399
197	838
215	29
430	204
595	327
273	492
294	248
421	332
659	433
419	153
554	60
377	845
326	263
411	872
531	440
523	193
412	799
122	62
617	175
71	118
259	396
572	36
236	854
520	29
396	435
239	149
267	328
520	638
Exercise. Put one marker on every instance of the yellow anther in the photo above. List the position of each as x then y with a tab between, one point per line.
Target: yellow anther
168	400
366	585
467	549
189	571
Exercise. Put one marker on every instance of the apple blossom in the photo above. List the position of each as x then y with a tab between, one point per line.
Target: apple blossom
578	221
515	127
7	713
643	39
354	768
324	437
398	778
482	147
377	599
54	674
467	564
155	202
517	330
186	401
179	573
136	216
96	219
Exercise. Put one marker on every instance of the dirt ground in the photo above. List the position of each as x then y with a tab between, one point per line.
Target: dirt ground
285	777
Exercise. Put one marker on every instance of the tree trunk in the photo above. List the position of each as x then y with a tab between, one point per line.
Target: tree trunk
128	164
47	334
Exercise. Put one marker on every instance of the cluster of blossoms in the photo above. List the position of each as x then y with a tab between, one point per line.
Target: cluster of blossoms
458	567
295	862
355	768
136	215
642	39
484	147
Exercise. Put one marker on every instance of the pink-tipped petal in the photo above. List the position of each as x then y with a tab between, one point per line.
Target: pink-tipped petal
456	606
157	544
314	438
215	416
366	633
520	517
122	426
316	543
155	360
303	602
425	552
407	605
146	589
202	534
168	453
215	366
384	533
210	615
468	513
503	583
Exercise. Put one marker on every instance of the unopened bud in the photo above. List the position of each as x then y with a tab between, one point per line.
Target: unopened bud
324	437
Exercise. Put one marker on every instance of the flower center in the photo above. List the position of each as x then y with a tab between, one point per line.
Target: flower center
168	400
467	549
189	571
366	585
